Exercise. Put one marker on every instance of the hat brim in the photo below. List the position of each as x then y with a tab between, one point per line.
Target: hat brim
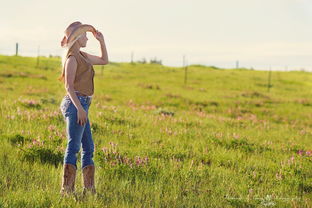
80	30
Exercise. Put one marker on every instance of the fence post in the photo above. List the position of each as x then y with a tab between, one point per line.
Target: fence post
269	80
38	54
16	49
185	70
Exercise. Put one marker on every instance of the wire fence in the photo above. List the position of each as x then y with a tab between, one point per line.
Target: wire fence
176	62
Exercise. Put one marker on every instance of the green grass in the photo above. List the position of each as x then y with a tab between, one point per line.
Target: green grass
222	140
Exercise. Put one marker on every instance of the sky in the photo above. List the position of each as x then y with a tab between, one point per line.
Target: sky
258	33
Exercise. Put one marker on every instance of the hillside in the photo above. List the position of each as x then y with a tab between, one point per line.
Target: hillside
221	140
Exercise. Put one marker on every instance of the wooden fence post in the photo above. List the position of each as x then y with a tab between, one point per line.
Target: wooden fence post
16	49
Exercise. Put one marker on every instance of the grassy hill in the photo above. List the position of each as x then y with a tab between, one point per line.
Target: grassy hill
221	140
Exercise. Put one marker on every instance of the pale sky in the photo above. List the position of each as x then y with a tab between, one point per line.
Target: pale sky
258	33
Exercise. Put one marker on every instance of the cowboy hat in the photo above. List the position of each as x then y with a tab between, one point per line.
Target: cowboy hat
76	33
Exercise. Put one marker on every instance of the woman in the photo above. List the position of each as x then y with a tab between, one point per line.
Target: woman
77	75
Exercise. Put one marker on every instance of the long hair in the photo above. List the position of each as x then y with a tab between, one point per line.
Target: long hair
67	48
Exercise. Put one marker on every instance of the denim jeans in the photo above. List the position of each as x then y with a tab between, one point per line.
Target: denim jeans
77	134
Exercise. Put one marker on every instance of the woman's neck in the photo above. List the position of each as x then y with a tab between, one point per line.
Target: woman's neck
75	47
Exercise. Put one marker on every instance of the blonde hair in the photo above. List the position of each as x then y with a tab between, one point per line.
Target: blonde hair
67	48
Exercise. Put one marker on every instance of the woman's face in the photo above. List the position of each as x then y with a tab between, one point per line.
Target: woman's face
83	40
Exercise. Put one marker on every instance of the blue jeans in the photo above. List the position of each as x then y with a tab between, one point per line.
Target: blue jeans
77	134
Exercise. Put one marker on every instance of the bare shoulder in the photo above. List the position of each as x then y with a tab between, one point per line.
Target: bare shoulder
71	62
71	58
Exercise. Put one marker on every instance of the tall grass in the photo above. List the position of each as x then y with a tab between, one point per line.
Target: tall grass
220	141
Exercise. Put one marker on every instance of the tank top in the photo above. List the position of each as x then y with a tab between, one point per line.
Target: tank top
84	77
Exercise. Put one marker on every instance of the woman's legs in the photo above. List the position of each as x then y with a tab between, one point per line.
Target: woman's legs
77	135
74	136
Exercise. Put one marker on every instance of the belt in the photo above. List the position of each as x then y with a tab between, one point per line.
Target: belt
80	94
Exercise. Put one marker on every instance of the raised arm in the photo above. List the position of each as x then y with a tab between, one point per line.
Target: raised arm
99	60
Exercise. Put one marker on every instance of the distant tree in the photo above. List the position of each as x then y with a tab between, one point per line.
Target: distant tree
155	61
52	56
142	61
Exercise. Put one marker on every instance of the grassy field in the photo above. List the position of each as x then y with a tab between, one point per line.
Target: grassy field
222	140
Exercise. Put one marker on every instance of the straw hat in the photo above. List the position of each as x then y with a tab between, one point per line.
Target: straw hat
74	32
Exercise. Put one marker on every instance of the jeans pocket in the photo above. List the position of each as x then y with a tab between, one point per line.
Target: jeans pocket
64	107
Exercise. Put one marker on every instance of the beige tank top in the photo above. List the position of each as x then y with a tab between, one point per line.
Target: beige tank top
83	82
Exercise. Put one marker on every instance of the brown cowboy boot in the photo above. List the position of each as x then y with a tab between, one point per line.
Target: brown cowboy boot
68	180
88	179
